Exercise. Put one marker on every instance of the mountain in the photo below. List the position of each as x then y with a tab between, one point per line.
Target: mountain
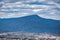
32	23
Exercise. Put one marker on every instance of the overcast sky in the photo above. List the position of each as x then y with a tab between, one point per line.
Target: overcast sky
49	9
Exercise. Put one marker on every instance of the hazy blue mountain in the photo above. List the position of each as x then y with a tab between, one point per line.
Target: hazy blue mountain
30	24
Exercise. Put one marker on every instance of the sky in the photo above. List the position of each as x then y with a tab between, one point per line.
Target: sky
48	9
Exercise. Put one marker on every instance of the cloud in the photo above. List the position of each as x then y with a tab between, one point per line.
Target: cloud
50	14
46	10
14	15
46	16
35	0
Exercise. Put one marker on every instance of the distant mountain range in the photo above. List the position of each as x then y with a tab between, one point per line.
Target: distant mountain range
30	24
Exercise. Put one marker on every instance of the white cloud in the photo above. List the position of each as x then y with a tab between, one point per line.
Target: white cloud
19	2
37	10
12	5
41	0
44	11
46	16
14	15
52	14
58	5
21	13
35	0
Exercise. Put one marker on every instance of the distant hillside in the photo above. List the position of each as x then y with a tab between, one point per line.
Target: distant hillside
30	24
